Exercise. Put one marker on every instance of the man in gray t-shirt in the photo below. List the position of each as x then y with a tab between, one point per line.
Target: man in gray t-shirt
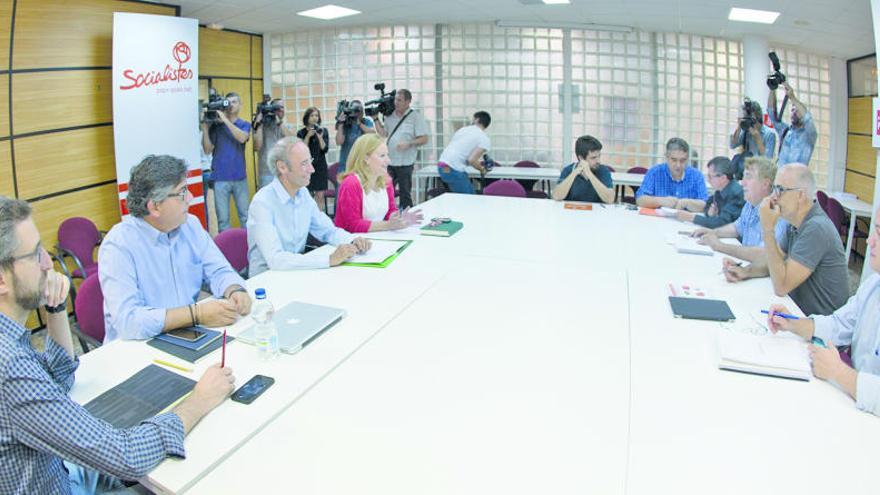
809	263
406	130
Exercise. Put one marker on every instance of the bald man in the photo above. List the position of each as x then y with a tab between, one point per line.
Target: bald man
809	262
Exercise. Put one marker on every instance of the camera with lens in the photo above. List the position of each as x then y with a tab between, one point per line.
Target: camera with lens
215	104
488	162
776	78
384	104
750	116
269	109
347	112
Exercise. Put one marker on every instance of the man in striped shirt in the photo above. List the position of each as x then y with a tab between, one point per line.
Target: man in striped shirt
48	443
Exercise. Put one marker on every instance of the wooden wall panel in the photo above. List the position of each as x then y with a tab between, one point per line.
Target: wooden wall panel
860	155
100	204
861	186
7	188
5	28
71	33
224	54
860	115
56	100
69	160
4	105
257	57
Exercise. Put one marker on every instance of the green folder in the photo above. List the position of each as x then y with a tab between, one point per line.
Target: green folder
387	261
447	229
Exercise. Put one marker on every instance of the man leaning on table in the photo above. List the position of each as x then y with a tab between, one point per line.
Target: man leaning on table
757	184
586	179
673	184
725	203
283	214
153	263
809	263
49	443
855	324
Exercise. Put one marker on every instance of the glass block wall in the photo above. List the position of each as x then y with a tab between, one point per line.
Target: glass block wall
632	90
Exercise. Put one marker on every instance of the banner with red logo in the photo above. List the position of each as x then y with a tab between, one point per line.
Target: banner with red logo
155	97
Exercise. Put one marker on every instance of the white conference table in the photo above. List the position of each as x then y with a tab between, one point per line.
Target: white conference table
856	208
546	359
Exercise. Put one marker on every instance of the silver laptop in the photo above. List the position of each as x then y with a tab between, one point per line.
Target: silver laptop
298	325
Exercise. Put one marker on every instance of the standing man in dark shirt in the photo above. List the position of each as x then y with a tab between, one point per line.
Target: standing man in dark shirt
226	140
585	180
725	204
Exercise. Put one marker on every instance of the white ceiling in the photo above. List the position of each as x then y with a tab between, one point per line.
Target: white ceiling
842	28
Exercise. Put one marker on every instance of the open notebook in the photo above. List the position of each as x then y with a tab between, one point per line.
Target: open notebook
782	356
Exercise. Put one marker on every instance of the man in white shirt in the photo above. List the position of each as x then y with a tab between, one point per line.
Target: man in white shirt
855	324
283	214
467	147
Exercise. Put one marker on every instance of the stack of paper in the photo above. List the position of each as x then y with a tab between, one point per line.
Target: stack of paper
772	355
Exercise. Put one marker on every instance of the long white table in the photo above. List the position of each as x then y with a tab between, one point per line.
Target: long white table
544	358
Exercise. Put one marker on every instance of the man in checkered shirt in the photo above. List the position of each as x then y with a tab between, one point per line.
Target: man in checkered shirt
48	443
673	184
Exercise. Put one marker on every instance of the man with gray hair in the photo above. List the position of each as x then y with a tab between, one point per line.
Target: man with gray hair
50	443
808	263
283	214
757	184
725	204
673	184
153	263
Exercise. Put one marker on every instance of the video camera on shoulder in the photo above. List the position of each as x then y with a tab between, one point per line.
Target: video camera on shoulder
347	112
384	104
776	78
215	104
267	108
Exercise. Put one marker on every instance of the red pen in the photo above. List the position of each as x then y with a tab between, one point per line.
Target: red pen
223	358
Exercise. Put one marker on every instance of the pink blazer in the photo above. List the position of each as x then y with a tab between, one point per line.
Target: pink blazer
350	205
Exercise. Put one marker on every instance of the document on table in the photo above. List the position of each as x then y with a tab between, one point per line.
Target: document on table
770	355
380	250
144	395
690	245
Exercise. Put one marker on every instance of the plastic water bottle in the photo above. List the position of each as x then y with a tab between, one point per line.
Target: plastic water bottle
265	333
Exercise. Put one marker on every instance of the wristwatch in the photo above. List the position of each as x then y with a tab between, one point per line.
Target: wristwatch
55	309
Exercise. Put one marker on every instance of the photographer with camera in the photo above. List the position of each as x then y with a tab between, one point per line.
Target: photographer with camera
225	139
350	125
796	140
317	139
269	127
408	131
750	133
467	147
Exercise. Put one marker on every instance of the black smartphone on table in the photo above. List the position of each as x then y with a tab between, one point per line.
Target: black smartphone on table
254	387
189	334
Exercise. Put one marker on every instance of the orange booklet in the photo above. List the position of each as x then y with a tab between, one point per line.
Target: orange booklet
578	206
651	212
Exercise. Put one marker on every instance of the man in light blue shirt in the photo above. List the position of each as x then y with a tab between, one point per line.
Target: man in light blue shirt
153	263
283	214
798	139
855	324
757	184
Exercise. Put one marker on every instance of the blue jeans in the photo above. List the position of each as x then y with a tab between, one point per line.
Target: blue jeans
223	189
85	481
458	182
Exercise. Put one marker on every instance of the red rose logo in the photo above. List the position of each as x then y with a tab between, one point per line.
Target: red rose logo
181	52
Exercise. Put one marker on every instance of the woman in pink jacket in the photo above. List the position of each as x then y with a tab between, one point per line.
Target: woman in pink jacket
365	200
